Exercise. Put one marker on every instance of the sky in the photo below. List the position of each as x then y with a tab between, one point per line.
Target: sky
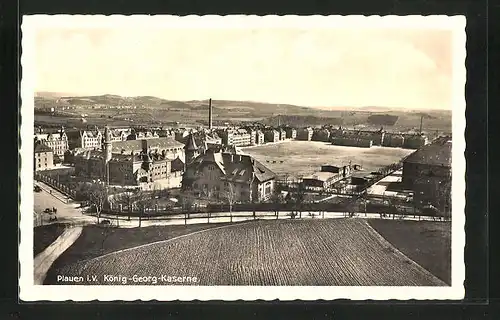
404	68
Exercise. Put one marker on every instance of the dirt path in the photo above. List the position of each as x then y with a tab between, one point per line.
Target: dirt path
45	259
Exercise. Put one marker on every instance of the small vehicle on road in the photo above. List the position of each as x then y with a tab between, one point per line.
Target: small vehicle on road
37	188
105	222
430	210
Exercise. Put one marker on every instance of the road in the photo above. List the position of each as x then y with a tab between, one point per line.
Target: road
45	259
67	210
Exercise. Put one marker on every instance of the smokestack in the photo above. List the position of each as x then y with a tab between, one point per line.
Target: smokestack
210	114
421	120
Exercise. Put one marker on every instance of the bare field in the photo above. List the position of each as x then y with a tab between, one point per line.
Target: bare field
337	252
96	241
427	243
298	158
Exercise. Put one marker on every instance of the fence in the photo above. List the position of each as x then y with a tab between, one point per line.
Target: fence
54	183
359	207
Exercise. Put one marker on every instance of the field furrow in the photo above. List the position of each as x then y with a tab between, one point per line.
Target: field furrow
337	252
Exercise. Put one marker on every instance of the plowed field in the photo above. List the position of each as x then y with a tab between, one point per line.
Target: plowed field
334	252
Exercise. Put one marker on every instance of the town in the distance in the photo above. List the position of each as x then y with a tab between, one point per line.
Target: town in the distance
203	168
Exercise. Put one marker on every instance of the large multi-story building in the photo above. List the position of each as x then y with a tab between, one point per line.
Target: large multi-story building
393	140
235	137
85	139
282	133
432	160
132	162
57	141
305	134
291	133
271	135
253	135
377	137
259	137
415	141
141	135
220	175
321	134
43	156
428	171
167	147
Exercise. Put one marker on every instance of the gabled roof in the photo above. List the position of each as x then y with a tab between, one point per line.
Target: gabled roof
234	167
262	173
136	145
40	147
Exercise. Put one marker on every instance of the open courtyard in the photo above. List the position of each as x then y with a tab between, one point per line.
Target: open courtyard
299	158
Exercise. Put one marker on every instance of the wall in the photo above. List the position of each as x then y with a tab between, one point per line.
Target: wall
414	171
352	142
43	161
121	172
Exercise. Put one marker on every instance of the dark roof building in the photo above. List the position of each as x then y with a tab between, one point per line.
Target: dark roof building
436	154
429	162
40	148
166	143
216	170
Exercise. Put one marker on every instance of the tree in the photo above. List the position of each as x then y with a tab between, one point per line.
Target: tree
126	199
442	190
97	195
230	196
300	197
143	201
351	207
277	199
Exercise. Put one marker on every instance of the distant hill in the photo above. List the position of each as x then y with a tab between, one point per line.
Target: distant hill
255	108
150	109
302	121
382	119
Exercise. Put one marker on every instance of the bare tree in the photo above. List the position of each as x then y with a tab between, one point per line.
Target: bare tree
277	199
98	196
230	196
126	199
143	201
300	197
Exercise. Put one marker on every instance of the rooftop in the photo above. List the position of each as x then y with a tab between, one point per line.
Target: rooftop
438	154
136	145
235	167
321	176
40	147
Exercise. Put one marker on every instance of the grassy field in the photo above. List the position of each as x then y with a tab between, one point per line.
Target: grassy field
96	241
43	236
336	252
306	157
427	243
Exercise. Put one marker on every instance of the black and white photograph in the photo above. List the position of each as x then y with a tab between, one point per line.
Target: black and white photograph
242	157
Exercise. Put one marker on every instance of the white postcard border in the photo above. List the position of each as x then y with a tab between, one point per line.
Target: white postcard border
31	292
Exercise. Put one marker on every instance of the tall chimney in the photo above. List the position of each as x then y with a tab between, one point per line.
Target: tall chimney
421	120
210	114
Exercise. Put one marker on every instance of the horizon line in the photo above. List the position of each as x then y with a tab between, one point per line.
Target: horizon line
324	108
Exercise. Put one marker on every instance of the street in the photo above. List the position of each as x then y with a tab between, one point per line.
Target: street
67	209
